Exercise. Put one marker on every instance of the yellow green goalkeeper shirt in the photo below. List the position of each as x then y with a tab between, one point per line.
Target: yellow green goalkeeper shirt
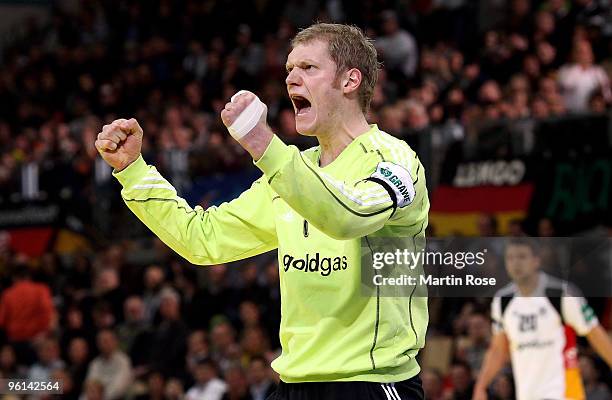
316	217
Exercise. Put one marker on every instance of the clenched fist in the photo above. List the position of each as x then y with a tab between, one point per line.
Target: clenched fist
250	128
120	143
237	105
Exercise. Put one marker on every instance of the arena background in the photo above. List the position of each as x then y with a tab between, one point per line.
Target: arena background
515	137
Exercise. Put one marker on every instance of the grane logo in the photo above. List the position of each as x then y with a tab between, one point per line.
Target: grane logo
385	172
315	263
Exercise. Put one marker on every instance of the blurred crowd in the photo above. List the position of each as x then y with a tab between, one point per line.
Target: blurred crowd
134	321
453	65
111	329
111	326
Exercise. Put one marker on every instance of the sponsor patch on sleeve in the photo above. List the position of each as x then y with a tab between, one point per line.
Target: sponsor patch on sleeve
398	179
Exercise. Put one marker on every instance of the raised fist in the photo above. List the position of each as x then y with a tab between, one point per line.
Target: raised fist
237	105
245	119
120	143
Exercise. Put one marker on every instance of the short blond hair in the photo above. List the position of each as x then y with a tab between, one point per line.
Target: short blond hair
350	48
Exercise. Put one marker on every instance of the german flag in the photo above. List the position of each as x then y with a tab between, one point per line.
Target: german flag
455	210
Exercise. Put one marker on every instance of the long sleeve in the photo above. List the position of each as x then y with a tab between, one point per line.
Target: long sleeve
342	210
239	229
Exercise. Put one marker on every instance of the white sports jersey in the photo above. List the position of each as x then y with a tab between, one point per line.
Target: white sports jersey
541	330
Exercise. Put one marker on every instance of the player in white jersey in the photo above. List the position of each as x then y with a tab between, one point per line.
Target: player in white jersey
535	322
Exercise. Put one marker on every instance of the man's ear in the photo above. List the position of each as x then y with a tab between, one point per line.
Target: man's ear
351	81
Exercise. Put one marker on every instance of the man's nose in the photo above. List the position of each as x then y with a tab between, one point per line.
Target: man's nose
293	78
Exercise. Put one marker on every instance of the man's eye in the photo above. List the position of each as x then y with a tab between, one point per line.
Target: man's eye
307	67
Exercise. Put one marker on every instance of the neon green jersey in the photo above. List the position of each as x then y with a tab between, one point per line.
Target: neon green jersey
316	218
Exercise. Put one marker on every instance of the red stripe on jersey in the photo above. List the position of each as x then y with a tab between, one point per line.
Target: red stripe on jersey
570	352
574	389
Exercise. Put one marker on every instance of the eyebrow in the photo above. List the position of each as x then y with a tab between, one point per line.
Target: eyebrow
306	61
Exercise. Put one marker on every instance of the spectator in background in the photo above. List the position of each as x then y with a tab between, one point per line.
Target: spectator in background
108	297
250	316
251	289
545	29
153	282
78	362
474	348
254	343
197	350
417	119
391	120
207	383
250	54
461	381
49	359
74	326
169	340
451	130
547	56
397	47
195	60
594	388
237	385
103	315
26	309
519	84
433	384
260	384
222	339
218	291
531	68
490	93
580	79
540	108
494	53
155	387
112	368
113	258
78	278
134	333
185	281
519	18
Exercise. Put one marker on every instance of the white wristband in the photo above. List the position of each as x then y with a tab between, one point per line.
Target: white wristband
248	118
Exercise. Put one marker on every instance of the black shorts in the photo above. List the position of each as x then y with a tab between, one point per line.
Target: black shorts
410	389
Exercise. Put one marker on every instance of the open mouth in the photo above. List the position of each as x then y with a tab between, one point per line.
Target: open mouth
302	105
